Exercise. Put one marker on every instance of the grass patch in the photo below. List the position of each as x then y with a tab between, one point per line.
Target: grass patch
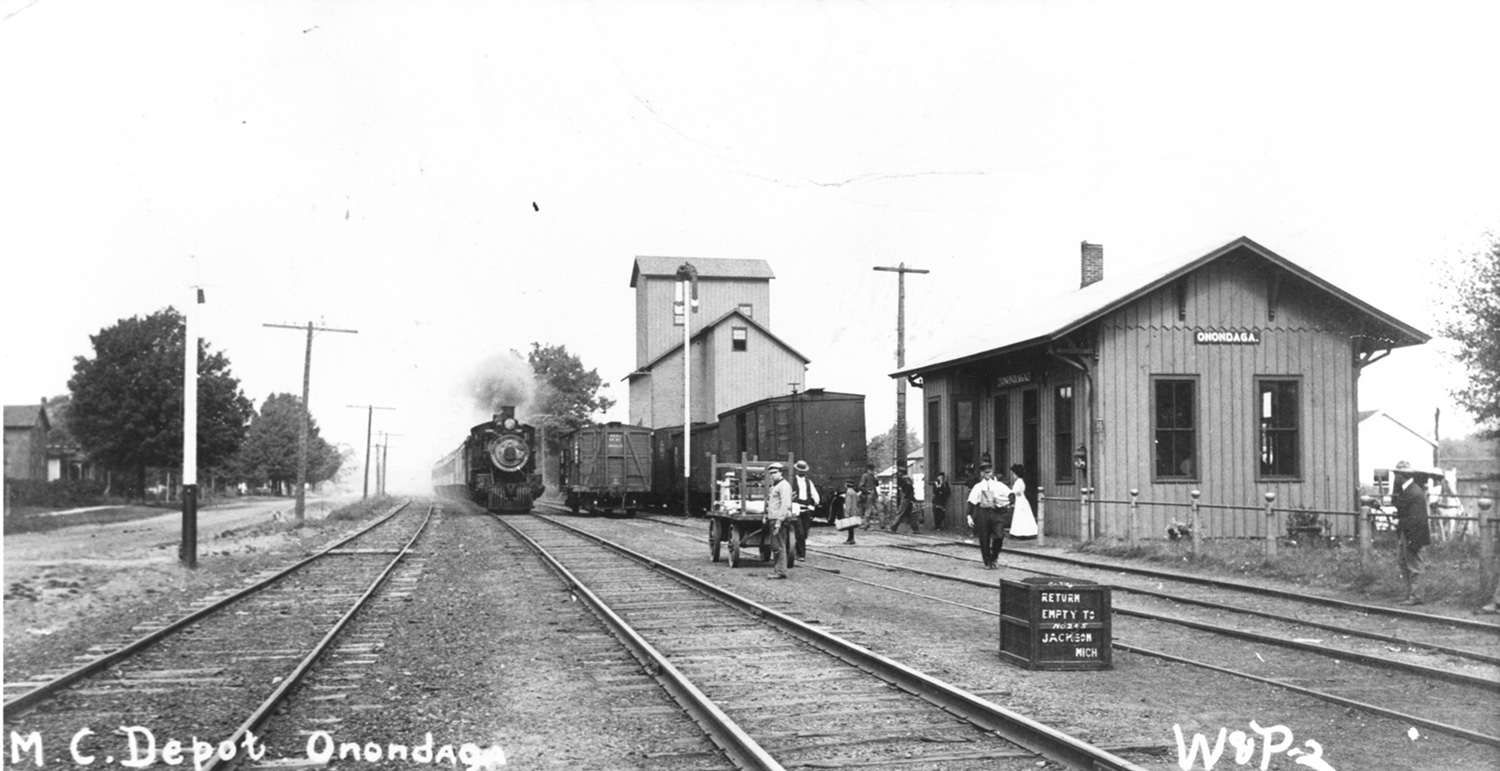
1453	568
44	520
363	509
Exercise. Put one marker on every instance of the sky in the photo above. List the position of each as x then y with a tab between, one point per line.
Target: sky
458	180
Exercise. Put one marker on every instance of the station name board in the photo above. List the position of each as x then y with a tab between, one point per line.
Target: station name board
1010	380
1230	337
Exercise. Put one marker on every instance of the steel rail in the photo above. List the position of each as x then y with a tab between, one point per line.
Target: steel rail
32	697
1324	625
1041	739
1251	588
1463	733
744	751
1324	650
291	681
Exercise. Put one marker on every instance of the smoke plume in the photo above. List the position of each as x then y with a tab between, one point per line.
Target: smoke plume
501	380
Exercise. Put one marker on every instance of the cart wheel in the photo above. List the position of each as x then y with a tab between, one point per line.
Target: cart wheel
789	542
714	536
734	545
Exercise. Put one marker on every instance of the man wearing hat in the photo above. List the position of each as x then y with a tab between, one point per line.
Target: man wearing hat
805	500
778	511
906	495
1412	531
988	502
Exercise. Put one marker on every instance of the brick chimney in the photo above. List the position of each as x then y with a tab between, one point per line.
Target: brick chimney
1093	264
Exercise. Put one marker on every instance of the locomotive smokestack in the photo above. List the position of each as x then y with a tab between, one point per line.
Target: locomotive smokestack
504	413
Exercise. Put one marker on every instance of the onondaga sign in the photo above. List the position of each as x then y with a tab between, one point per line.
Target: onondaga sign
1230	337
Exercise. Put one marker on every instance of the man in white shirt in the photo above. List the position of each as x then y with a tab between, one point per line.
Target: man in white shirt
805	501
989	501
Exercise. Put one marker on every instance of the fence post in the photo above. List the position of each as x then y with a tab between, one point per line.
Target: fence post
1486	536
1364	525
1041	517
1197	525
1270	524
1131	518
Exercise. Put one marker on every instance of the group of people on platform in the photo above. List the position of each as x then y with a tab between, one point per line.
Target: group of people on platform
994	507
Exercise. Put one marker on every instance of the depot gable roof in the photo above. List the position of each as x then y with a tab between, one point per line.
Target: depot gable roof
1060	316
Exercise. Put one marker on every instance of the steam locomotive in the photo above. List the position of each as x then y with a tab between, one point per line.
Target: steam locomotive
495	467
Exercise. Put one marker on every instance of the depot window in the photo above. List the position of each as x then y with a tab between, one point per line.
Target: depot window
934	434
1062	425
1174	428
1280	436
739	338
965	434
1002	432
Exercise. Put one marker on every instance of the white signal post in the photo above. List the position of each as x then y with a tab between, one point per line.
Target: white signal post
687	292
189	551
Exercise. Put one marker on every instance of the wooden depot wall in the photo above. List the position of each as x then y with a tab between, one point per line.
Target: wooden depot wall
1302	333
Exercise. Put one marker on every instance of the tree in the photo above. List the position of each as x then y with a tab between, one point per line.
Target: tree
567	396
126	410
882	448
1474	323
269	454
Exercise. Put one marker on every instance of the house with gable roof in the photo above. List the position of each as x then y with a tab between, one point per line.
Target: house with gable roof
26	431
1384	441
1232	372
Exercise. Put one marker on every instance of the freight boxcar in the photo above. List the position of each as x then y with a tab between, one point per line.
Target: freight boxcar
606	469
824	428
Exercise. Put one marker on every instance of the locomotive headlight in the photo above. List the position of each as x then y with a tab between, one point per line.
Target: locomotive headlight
510	423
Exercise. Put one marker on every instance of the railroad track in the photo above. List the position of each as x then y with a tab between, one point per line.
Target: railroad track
1449	691
211	677
773	691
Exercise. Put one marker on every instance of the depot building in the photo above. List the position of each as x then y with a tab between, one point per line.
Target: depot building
1233	373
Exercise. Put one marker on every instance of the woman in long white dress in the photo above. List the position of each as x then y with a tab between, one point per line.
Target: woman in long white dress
1023	523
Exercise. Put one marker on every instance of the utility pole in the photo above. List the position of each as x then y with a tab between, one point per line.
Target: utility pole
369	424
901	270
189	551
385	456
687	291
306	412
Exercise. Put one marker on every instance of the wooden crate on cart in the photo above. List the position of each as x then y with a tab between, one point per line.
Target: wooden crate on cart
736	520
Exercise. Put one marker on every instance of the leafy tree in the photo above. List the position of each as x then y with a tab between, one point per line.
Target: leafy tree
567	395
1474	323
126	409
882	447
269	454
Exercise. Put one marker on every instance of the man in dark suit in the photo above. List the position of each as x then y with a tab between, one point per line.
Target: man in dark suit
1412	531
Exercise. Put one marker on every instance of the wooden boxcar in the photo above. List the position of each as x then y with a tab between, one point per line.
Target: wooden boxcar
606	469
824	428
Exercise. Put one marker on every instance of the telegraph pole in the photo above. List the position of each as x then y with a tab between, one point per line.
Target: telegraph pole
306	412
385	456
901	270
369	423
